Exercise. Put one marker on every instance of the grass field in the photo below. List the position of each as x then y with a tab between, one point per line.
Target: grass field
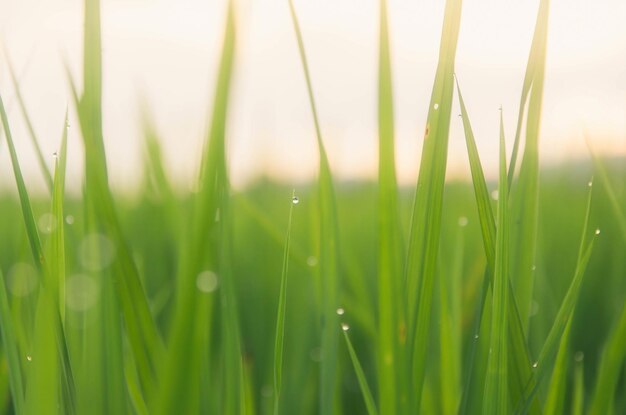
474	297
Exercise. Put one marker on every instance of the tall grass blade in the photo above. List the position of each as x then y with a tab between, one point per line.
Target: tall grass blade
496	400
280	317
578	400
360	375
525	193
392	380
426	218
328	260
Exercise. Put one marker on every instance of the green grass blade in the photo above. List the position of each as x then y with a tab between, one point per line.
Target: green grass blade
280	317
189	336
29	125
426	219
10	350
141	330
392	380
550	348
328	261
525	193
609	189
360	375
496	400
555	402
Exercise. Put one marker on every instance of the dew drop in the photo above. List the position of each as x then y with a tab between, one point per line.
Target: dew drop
436	106
29	358
340	311
345	326
597	231
46	223
533	268
535	365
69	219
295	200
463	221
590	184
476	336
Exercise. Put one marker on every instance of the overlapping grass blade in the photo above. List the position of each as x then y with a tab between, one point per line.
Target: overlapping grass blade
426	217
525	193
142	333
496	400
360	375
180	381
578	400
29	125
392	379
555	401
519	370
328	261
559	329
280	317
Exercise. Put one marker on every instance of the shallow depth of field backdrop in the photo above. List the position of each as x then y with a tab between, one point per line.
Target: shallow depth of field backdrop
334	207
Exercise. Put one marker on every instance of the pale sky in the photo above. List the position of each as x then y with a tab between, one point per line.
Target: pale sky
167	51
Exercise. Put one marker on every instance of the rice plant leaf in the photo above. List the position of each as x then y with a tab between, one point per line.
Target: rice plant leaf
328	261
360	375
559	330
520	359
142	333
578	400
29	125
280	317
10	349
525	193
392	379
179	388
426	218
496	400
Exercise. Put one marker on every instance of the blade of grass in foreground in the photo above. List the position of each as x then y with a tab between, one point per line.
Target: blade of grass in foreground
519	363
180	388
142	332
328	261
280	318
426	218
525	193
360	375
391	348
496	400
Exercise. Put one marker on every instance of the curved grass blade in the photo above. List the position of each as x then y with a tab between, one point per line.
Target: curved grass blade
496	400
280	318
578	401
29	125
328	258
426	218
391	351
360	375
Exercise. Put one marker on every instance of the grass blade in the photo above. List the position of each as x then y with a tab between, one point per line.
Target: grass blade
360	375
328	260
496	400
280	318
392	380
16	378
525	193
426	218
